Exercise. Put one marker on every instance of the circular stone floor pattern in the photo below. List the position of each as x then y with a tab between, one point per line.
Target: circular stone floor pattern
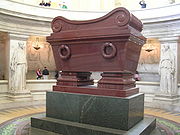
21	125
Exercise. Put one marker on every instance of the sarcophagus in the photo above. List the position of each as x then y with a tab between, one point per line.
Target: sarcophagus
110	44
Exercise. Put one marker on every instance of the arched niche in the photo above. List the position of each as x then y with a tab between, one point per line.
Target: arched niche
39	55
149	60
150	53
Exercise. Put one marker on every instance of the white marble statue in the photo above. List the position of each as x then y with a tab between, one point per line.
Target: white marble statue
167	70
18	68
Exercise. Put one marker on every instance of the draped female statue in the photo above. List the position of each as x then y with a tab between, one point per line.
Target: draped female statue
18	68
167	70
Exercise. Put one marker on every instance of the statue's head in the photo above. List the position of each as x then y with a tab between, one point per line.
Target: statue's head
166	47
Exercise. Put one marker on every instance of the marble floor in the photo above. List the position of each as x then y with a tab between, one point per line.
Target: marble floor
15	121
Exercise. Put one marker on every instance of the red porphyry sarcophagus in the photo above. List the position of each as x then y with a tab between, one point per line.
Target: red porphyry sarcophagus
110	44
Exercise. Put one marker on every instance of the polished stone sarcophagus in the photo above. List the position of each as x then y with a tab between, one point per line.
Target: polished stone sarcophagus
111	45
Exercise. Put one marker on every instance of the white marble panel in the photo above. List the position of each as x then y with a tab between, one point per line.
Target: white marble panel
3	86
40	85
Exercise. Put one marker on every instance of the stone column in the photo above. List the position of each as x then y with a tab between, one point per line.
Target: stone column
168	71
17	64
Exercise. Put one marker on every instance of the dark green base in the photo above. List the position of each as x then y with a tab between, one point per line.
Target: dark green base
144	127
83	114
105	111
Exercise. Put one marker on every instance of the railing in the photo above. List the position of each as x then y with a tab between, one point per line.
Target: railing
169	12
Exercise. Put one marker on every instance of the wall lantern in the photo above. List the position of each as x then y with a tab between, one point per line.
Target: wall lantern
37	42
148	47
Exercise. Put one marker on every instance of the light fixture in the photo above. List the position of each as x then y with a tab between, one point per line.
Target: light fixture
36	45
149	47
36	42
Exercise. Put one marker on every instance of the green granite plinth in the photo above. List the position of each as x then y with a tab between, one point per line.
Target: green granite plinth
105	111
83	114
63	127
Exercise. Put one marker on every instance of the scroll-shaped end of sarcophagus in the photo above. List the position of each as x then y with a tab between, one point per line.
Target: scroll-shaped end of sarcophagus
119	17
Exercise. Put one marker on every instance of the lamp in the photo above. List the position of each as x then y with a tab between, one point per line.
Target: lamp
36	45
36	42
149	47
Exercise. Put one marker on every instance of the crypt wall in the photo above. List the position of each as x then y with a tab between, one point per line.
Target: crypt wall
161	27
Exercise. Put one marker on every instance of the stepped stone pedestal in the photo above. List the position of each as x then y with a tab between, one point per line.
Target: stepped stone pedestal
80	114
110	44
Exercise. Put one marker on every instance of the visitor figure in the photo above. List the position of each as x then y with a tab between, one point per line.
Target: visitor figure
167	70
136	76
48	4
45	73
42	3
18	67
39	74
171	1
64	6
142	3
57	74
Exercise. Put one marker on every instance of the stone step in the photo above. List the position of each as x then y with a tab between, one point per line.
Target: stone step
144	127
3	96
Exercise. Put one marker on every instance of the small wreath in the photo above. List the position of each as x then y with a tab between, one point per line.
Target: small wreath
108	50
64	52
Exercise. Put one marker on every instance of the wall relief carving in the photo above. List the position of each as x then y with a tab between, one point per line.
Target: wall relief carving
150	53
42	57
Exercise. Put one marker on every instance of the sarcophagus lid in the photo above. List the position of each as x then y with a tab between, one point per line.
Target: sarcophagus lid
109	43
